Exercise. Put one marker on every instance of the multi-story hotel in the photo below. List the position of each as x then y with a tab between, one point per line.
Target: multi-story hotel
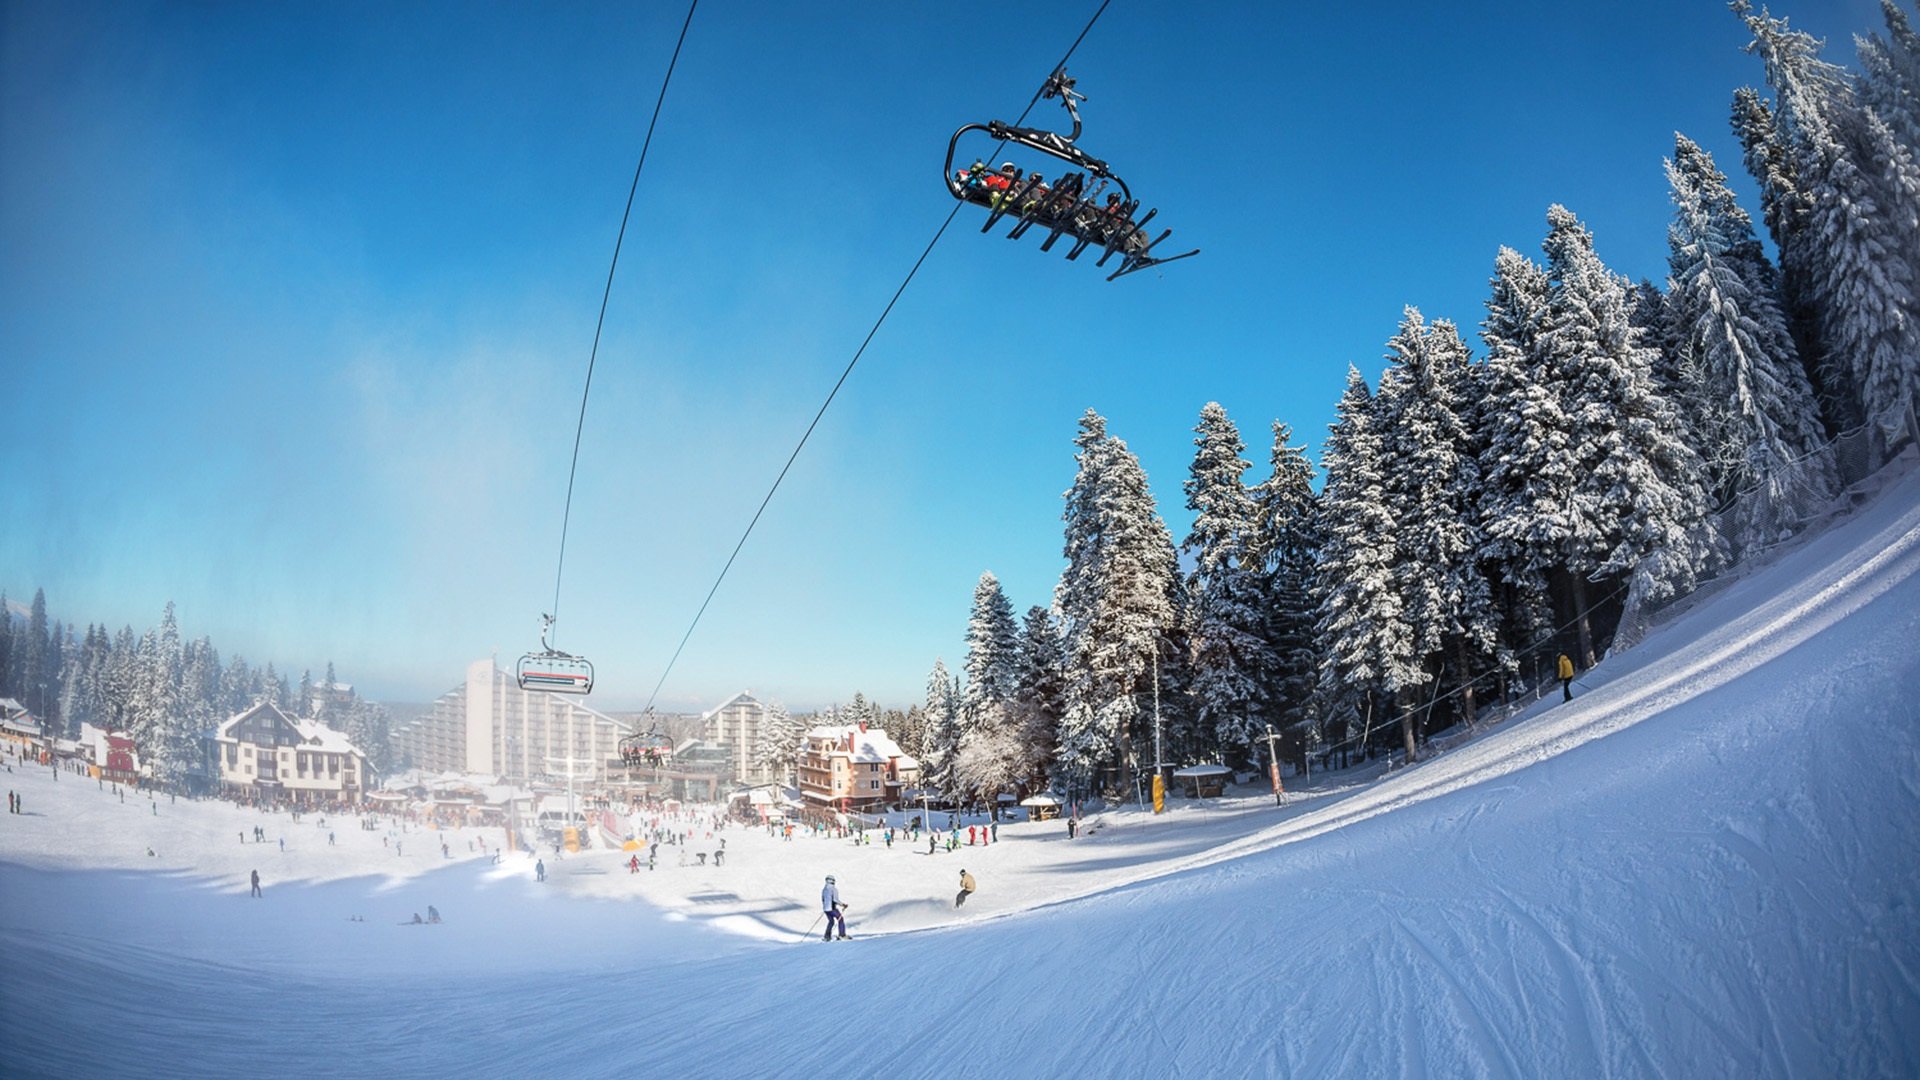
266	753
739	724
854	767
488	726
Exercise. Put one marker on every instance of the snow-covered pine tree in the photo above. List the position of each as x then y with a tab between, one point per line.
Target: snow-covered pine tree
909	728
1890	76
236	687
1729	324
780	745
197	712
943	730
1785	209
1285	549
1862	231
1639	502
1432	484
1115	597
993	643
6	648
36	665
1233	666
162	728
1039	696
1362	626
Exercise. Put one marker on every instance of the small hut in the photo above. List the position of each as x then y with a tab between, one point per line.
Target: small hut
1204	781
1041	807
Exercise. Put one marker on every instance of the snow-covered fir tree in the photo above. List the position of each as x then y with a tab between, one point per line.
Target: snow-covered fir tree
1728	323
1039	695
1367	643
1431	481
1639	500
943	729
1233	665
1890	76
1116	599
1860	240
993	643
780	742
1285	549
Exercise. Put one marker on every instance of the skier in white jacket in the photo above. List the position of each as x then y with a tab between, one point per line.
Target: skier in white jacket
831	906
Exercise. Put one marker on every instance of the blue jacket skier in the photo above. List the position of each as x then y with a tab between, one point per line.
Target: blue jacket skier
831	906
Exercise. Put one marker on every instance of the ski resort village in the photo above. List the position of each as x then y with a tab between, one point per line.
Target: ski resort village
543	542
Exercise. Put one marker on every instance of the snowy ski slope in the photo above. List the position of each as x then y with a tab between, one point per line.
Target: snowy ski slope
1704	866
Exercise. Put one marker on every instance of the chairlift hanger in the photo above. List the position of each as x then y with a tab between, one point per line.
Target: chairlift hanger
554	671
1064	210
651	746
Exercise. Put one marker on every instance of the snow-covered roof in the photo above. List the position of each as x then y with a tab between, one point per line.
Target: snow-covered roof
871	745
21	726
325	738
1203	770
11	705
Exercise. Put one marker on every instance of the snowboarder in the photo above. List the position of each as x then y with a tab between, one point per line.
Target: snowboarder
831	906
1566	676
633	865
256	885
433	914
539	870
966	888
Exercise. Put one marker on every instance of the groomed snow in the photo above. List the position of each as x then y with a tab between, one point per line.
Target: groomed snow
1701	867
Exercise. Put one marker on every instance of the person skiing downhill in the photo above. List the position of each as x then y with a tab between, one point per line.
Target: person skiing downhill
966	888
831	906
1565	671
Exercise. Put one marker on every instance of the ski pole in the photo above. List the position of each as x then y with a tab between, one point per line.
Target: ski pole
816	922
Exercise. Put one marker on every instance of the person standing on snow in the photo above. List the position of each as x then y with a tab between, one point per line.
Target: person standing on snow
966	888
831	906
1566	676
539	870
256	885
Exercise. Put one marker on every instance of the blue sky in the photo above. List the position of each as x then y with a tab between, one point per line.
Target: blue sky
295	300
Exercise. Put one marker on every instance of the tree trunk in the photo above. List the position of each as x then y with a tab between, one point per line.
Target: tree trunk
1579	593
1466	689
1407	713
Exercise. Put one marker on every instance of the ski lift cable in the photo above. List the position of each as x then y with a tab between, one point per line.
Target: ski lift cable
831	394
594	354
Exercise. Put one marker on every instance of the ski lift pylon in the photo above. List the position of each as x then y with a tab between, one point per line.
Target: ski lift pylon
552	670
1067	207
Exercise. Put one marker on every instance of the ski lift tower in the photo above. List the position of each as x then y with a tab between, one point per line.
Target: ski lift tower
570	826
